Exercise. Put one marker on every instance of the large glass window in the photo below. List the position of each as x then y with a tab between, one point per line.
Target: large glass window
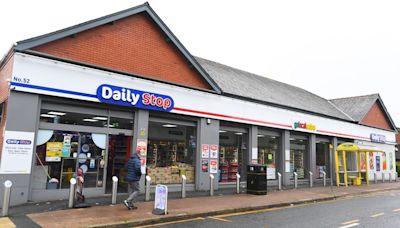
268	147
298	149
60	153
232	151
171	152
322	159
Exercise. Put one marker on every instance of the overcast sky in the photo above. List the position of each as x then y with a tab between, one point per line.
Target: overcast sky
331	48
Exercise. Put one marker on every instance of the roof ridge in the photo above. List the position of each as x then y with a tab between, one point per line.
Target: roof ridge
367	95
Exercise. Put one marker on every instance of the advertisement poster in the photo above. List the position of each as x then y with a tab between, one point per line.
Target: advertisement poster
205	151
363	163
390	161
378	163
271	172
53	151
213	151
213	166
66	148
204	165
384	162
17	152
161	198
141	148
371	161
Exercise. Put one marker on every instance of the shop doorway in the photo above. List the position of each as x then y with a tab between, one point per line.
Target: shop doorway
119	151
322	159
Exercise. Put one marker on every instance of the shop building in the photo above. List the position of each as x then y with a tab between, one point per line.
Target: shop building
90	95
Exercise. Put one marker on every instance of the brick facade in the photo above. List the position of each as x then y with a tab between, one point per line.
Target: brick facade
5	76
133	44
376	117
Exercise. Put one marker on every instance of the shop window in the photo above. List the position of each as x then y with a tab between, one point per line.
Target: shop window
322	159
63	117
268	147
60	153
171	152
121	123
119	151
297	157
232	159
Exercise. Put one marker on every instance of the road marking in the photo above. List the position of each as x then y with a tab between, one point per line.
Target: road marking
173	222
377	215
349	222
219	219
350	225
396	210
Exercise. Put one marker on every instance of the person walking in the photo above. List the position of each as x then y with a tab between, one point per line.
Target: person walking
133	177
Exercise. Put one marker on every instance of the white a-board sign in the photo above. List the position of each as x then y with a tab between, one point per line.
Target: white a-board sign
161	200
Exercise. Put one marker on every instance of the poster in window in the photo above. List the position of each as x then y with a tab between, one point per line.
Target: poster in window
66	148
384	161
371	161
213	166
213	151
53	151
363	164
205	151
17	152
378	163
204	165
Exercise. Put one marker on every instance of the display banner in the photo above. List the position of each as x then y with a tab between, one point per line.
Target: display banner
17	152
141	148
161	200
54	151
213	166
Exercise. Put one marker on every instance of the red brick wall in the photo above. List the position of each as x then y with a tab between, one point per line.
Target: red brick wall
5	75
398	137
376	118
133	44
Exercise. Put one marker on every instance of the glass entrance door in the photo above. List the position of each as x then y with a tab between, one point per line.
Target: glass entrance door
119	151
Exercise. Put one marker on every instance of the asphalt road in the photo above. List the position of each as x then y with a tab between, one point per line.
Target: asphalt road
375	210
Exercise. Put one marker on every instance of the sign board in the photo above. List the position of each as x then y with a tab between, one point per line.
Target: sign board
53	151
116	95
271	173
377	138
204	165
161	200
213	166
17	152
213	151
205	151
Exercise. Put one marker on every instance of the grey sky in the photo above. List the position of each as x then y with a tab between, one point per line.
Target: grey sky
331	48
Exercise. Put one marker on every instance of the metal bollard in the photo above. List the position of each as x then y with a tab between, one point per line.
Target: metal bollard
72	183
375	178
237	183
311	178
279	181
324	177
295	180
211	185
395	176
114	190
390	177
147	190
6	198
183	187
383	177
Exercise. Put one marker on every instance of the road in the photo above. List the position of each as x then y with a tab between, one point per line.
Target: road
374	210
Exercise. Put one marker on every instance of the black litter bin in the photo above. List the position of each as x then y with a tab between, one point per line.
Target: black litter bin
257	179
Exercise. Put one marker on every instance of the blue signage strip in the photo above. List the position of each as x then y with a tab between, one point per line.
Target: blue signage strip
378	138
135	98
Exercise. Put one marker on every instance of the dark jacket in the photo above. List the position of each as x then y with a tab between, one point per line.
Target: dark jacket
134	173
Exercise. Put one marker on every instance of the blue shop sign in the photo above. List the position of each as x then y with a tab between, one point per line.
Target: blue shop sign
378	138
129	97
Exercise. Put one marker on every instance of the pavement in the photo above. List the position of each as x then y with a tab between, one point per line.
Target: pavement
105	215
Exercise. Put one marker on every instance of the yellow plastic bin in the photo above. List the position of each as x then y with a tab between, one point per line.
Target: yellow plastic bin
357	181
